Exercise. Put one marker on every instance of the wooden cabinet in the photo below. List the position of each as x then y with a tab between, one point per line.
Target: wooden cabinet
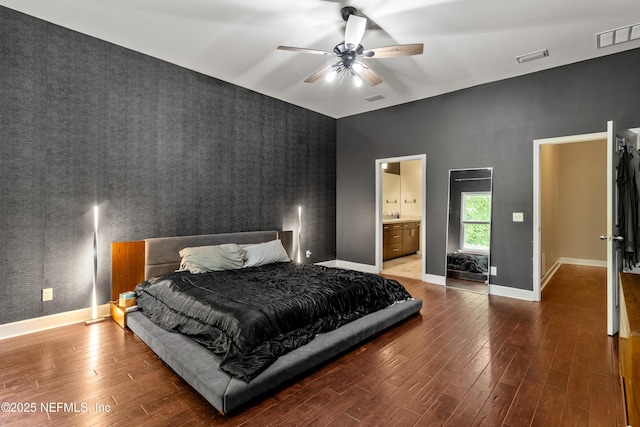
400	238
392	240
629	344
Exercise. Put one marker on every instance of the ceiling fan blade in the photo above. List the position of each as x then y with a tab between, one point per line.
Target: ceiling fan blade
322	72
369	76
355	30
395	51
305	50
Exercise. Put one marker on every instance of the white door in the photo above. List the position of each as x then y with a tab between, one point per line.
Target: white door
614	251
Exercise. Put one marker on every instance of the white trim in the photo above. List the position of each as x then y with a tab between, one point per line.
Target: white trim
435	279
585	262
348	265
423	225
549	274
330	263
537	144
51	321
505	291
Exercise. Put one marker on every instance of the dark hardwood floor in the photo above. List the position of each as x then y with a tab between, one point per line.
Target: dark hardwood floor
467	360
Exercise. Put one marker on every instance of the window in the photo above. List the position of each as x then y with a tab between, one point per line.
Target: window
475	221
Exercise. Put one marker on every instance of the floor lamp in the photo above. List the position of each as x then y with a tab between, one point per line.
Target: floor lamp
94	302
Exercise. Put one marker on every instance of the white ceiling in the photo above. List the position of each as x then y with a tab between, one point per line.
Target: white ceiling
466	42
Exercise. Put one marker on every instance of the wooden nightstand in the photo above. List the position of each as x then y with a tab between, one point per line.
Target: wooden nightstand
119	315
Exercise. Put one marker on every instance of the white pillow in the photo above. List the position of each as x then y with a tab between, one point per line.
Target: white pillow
201	259
265	253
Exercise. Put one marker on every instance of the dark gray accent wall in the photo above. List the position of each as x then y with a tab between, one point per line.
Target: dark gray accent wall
162	150
491	125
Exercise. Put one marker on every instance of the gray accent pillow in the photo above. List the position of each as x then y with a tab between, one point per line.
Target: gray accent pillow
201	259
265	253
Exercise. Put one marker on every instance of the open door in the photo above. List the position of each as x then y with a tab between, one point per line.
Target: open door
614	250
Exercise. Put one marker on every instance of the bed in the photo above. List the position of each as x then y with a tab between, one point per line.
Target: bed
467	266
201	368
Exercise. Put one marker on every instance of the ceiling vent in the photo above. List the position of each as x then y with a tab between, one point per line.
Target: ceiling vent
617	36
373	98
532	56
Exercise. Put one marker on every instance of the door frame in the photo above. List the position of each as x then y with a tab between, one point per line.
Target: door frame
537	146
423	227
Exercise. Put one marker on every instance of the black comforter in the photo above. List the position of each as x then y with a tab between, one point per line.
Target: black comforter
467	262
249	317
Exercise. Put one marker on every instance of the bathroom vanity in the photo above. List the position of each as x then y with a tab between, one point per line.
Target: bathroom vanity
400	237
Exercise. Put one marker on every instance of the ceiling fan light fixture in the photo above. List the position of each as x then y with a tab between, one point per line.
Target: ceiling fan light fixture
349	53
354	31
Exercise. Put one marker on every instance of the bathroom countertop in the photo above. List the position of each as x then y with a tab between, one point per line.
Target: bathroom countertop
401	219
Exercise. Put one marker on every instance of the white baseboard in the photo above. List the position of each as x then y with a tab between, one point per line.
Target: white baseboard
586	262
348	265
549	274
37	324
435	279
330	263
505	291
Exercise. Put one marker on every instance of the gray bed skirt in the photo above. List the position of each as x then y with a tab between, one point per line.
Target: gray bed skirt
199	367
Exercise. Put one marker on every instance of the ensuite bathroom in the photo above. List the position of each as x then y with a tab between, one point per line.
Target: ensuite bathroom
402	218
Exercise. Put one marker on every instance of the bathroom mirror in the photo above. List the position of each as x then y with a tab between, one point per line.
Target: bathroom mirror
391	191
469	229
402	189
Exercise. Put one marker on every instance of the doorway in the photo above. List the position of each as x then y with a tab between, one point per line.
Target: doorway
564	233
411	226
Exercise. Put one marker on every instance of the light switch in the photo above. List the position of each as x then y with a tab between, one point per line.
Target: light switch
518	217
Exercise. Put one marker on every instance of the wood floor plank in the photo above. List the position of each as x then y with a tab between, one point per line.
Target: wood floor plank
496	407
524	405
551	403
467	359
574	416
602	409
440	411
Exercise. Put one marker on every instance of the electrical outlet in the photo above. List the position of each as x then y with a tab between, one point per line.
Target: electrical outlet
47	294
308	253
493	271
518	217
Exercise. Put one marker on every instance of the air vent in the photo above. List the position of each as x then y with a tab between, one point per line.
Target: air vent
374	98
617	36
532	56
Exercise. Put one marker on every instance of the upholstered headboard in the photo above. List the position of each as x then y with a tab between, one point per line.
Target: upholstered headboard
134	262
162	253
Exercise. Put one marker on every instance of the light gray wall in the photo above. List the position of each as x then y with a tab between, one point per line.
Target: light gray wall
491	125
163	150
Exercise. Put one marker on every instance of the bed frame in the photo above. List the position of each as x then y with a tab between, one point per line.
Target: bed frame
198	366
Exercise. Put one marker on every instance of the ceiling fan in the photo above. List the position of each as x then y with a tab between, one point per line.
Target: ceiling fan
350	53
